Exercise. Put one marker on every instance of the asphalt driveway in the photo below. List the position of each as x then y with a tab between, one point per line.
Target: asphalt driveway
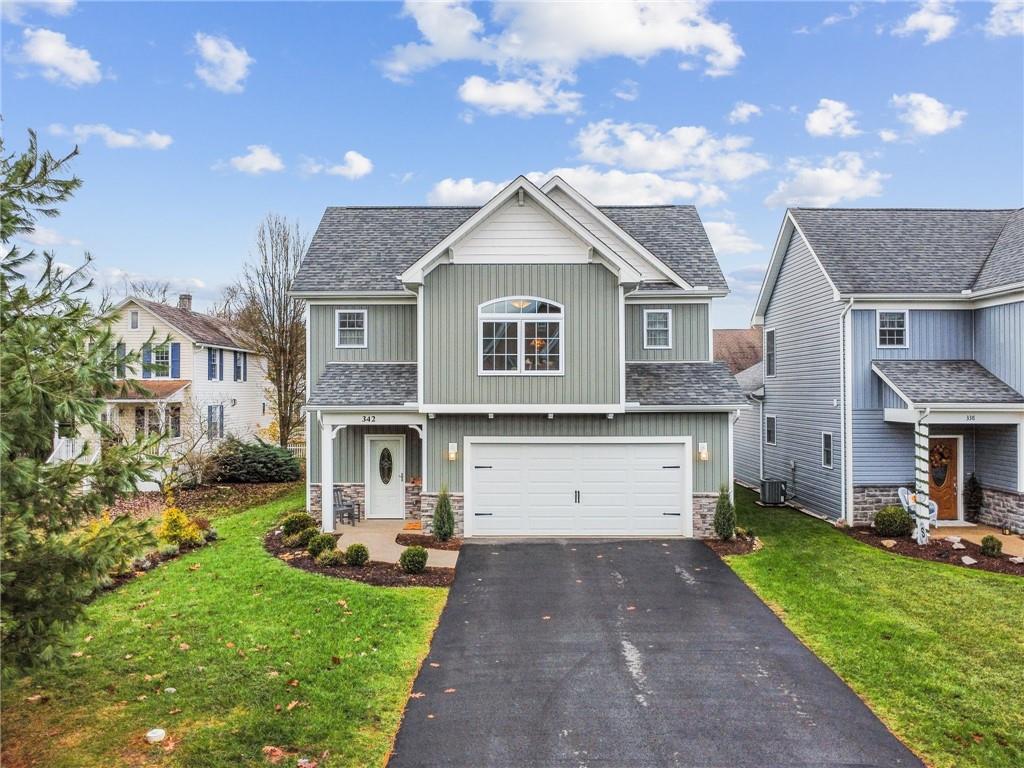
625	653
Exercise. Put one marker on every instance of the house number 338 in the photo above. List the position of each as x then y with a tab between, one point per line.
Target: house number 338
367	419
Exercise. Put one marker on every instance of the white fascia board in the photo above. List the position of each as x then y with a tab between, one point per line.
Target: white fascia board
557	182
995	297
367	296
948	414
671	297
509	408
725	408
414	274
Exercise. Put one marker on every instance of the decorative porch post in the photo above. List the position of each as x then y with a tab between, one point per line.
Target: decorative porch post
921	512
327	478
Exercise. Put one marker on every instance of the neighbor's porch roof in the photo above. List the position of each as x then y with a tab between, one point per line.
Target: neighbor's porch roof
147	390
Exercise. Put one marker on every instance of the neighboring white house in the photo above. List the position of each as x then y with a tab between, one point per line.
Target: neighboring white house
199	380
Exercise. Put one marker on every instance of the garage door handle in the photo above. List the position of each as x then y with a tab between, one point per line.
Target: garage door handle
482	466
671	514
670	466
483	514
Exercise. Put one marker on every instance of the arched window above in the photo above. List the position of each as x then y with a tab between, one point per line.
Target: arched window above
520	335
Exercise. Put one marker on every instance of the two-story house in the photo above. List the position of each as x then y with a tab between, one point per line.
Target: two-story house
546	360
894	356
198	380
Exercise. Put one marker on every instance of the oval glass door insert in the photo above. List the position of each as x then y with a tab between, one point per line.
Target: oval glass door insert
385	465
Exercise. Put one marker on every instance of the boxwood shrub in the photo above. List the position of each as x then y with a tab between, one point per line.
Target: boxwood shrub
297	521
322	542
413	559
357	555
894	521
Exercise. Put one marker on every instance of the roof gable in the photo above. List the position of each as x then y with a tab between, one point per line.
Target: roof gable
200	328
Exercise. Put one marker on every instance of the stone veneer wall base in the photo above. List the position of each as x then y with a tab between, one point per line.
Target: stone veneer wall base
868	499
1002	509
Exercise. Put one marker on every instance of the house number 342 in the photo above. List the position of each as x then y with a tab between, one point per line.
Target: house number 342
367	419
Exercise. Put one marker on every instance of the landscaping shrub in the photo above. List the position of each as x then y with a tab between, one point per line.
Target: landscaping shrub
167	551
300	539
413	559
991	546
332	558
973	498
210	534
254	462
322	542
893	520
444	518
297	521
725	516
357	555
176	528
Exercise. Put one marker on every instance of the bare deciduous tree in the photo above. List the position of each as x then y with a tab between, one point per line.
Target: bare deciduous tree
261	305
154	290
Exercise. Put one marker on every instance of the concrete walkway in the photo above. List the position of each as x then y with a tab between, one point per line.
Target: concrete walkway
379	538
1013	545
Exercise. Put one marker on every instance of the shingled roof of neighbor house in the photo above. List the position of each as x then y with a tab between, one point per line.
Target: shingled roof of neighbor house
907	251
704	384
365	384
204	329
366	248
751	379
146	389
947	381
739	348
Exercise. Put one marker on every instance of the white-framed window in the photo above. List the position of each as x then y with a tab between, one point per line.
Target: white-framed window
657	329
769	430
892	327
520	336
134	318
162	362
769	352
826	450
174	420
350	325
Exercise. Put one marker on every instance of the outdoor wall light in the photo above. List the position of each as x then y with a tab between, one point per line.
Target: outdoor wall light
453	451
702	452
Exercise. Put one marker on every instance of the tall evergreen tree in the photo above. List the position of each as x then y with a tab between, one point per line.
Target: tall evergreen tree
57	362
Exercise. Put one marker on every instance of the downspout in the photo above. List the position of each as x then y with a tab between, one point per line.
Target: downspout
846	504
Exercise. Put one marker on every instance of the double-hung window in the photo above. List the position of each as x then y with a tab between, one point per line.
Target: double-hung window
769	430
892	328
826	450
351	328
133	318
521	335
657	329
769	352
162	361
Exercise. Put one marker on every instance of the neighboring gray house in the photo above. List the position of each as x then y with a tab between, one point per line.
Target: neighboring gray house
547	361
748	447
885	327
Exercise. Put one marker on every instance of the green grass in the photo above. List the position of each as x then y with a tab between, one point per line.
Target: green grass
251	624
936	650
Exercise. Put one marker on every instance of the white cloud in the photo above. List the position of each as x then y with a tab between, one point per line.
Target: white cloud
831	118
888	135
727	238
839	178
44	237
465	191
129	139
628	90
852	12
223	66
690	151
60	61
1006	18
355	166
15	11
935	18
546	42
926	116
742	111
521	97
260	159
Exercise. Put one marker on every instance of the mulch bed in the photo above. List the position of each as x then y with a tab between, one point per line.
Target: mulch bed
206	500
428	541
740	544
939	551
377	574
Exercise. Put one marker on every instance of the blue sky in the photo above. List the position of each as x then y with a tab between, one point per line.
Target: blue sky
196	119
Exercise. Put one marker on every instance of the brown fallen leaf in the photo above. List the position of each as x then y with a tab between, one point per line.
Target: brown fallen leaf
88	638
273	673
630	607
77	654
296	703
293	683
430	717
229	645
417	695
449	690
335	660
37	698
434	664
277	707
195	566
545	618
183	646
273	755
175	711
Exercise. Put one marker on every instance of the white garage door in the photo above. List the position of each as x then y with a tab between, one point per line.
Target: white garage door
578	489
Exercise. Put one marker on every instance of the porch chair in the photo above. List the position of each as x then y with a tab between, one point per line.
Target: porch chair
933	508
344	510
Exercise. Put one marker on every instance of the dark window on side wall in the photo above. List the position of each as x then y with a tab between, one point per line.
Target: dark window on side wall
769	430
769	353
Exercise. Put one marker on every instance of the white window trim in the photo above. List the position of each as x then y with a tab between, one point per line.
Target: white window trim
520	320
154	366
906	328
663	311
775	352
831	450
337	330
133	319
775	429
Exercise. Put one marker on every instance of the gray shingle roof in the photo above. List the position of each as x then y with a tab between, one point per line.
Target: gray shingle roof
894	250
751	379
204	329
947	381
707	384
1005	264
365	248
365	384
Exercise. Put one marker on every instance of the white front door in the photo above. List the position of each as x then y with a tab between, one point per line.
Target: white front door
384	473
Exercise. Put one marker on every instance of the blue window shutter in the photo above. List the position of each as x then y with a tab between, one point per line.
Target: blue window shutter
147	359
245	366
175	360
220	364
221	431
210	363
210	424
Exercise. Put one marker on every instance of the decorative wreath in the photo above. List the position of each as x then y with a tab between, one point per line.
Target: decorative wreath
939	456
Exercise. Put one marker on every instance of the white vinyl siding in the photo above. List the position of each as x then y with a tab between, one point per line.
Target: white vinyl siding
892	328
517	233
657	329
350	325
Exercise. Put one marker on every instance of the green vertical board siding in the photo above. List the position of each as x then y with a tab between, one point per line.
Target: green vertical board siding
710	428
689	333
390	335
349	446
590	295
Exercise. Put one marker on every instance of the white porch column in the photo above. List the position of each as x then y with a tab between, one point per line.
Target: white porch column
327	477
921	470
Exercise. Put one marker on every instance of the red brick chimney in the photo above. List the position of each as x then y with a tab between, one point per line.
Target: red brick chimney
185	301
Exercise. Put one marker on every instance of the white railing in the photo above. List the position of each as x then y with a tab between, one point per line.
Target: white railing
64	449
298	451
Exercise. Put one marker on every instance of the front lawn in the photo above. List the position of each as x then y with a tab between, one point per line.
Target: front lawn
260	654
936	650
